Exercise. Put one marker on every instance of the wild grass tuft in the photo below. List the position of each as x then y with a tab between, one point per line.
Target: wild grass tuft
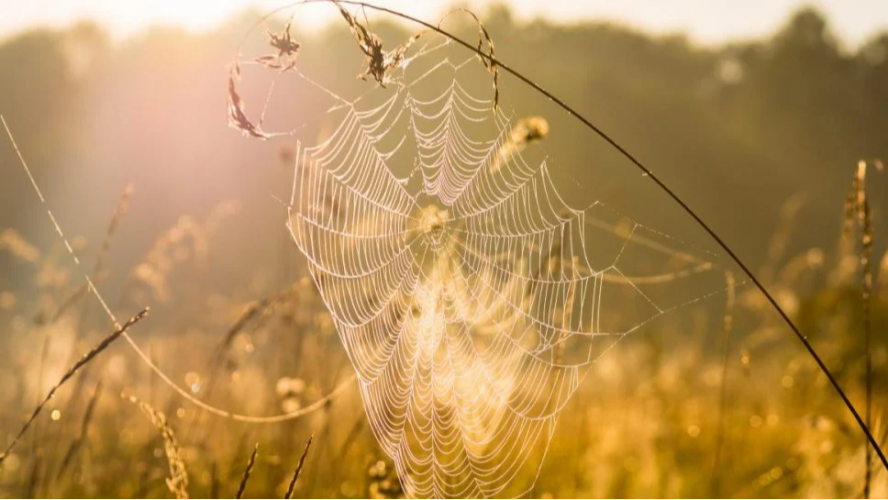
95	351
178	480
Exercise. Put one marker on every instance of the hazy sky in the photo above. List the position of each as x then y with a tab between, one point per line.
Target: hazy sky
705	20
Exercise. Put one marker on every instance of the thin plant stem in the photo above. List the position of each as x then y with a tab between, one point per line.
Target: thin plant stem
249	470
298	471
864	230
727	328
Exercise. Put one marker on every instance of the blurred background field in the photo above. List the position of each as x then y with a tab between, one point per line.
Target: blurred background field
761	136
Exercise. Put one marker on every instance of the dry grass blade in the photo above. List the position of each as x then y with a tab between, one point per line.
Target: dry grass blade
883	270
865	231
178	480
237	119
727	328
119	212
214	481
71	372
247	472
249	313
84	427
69	302
369	43
781	237
298	469
98	270
848	242
11	241
864	227
34	478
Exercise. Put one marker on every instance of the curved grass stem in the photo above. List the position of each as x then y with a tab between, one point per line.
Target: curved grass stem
493	62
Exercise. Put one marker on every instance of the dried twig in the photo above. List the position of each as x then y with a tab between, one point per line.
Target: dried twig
71	372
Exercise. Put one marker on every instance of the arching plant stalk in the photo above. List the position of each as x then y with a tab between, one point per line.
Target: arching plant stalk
492	62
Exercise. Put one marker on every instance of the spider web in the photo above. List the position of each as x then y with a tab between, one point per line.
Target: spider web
468	294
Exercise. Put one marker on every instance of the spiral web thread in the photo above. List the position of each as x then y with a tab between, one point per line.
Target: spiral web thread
462	291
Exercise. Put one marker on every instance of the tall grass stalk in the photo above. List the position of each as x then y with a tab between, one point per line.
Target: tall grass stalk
249	470
727	328
299	466
861	212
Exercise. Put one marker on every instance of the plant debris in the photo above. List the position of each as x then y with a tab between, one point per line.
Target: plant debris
237	119
379	62
288	50
527	131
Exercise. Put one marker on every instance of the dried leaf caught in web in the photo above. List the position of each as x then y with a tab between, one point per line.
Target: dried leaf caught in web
284	42
379	62
269	61
237	119
396	57
285	59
